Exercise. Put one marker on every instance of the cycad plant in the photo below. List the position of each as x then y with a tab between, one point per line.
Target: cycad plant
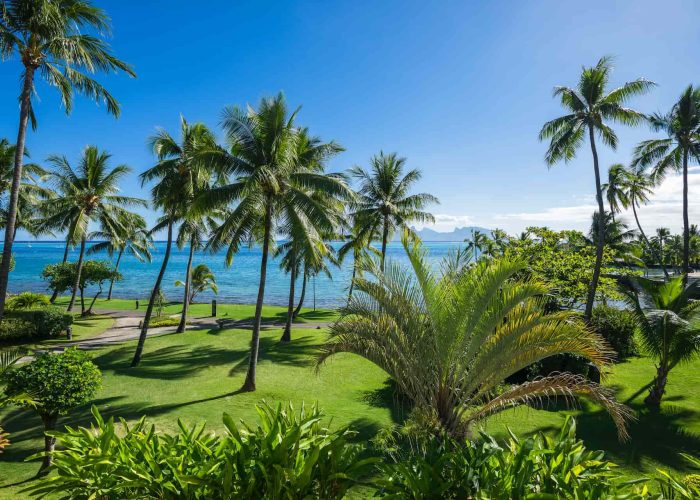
51	40
669	326
590	107
448	339
682	144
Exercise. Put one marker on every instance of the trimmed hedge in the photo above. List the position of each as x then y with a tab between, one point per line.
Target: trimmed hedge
34	324
617	327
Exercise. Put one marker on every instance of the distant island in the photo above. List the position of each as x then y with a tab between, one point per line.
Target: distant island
458	234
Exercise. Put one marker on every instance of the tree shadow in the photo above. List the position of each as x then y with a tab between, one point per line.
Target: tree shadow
299	352
388	396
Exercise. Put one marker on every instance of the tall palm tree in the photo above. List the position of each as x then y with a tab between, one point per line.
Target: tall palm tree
315	264
590	107
449	339
384	201
181	175
618	237
682	125
49	38
669	326
359	243
614	189
662	235
129	236
85	195
478	243
271	187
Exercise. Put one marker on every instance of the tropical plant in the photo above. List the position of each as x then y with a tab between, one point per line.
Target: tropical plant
478	242
28	300
669	326
290	454
614	189
618	327
180	176
129	236
315	264
662	236
590	107
359	242
273	188
62	277
58	383
202	279
384	203
87	194
618	236
682	125
49	38
449	339
8	361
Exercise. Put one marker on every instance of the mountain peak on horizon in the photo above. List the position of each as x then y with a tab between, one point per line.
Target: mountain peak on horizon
458	234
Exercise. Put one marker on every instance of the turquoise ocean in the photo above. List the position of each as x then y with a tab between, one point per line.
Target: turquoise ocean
237	283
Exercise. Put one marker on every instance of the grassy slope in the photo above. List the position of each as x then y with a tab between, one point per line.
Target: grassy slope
195	376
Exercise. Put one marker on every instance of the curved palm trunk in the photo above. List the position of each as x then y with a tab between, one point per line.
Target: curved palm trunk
352	279
601	232
249	384
385	237
658	388
287	335
116	269
54	295
644	236
25	106
686	223
152	300
302	296
76	286
186	298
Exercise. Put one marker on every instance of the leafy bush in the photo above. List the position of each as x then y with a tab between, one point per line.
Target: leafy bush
17	329
288	455
42	323
157	322
618	327
27	300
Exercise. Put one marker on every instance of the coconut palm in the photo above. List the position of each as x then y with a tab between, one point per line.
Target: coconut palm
271	187
669	326
590	109
614	189
315	264
180	176
85	195
384	202
128	236
448	340
202	279
478	243
618	236
682	125
49	37
662	235
359	243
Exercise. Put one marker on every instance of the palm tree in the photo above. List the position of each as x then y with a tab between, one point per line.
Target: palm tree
590	107
359	242
271	186
669	326
682	125
85	195
614	189
384	201
448	340
49	38
478	243
662	234
201	280
127	236
315	264
181	175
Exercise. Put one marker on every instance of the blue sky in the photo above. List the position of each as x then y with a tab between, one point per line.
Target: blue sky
459	88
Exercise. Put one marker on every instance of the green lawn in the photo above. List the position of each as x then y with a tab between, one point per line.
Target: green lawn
195	377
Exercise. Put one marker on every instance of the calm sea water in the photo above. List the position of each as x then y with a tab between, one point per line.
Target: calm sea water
237	284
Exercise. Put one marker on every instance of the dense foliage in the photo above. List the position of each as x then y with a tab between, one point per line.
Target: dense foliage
94	273
617	327
34	324
27	300
290	454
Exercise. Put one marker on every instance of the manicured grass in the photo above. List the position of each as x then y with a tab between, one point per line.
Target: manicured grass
233	311
195	377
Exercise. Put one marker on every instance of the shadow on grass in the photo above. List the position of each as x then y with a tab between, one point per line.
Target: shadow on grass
388	396
299	352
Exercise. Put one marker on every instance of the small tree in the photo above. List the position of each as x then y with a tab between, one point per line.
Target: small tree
203	279
58	383
61	277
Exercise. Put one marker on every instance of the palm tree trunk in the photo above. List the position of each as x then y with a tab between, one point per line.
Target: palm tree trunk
287	335
249	384
152	300
658	388
25	106
686	223
116	269
601	231
385	237
186	297
77	274
644	236
302	296
54	295
49	443
352	279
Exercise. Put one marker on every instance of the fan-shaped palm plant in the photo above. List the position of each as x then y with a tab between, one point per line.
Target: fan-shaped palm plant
682	125
669	326
86	195
271	187
614	188
590	107
449	339
50	40
384	203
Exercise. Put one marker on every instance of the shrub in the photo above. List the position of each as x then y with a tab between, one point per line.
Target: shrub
57	383
617	327
17	329
288	455
46	322
27	300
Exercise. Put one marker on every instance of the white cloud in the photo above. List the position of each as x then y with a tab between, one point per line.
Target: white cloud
447	222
